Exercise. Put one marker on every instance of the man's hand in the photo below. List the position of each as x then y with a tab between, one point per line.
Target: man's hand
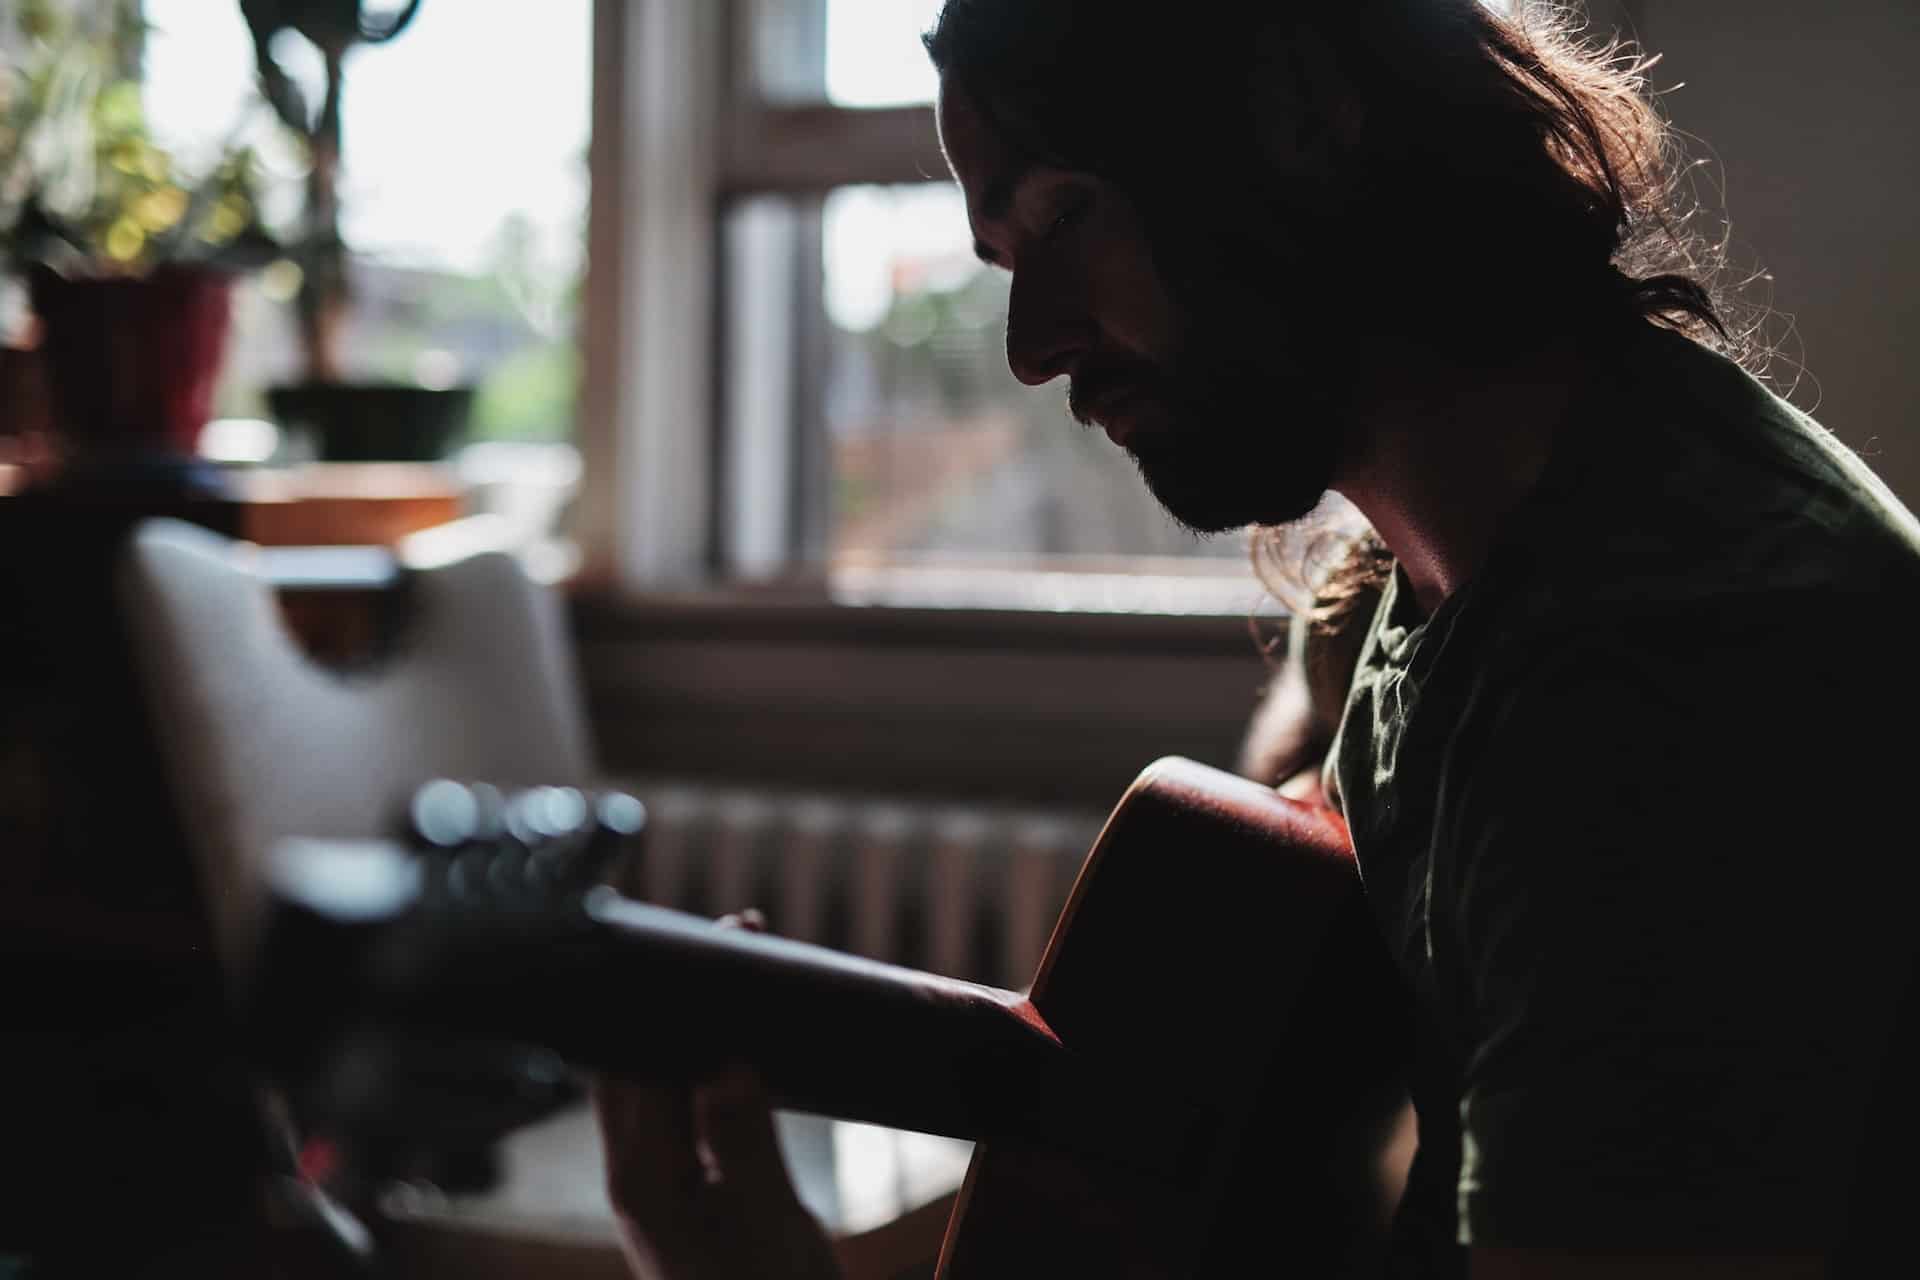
697	1179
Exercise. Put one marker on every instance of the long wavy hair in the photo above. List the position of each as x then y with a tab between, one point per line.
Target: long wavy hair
1503	166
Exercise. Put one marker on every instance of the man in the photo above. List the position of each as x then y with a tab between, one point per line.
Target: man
1618	751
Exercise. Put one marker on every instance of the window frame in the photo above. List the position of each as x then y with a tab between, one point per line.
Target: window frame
672	94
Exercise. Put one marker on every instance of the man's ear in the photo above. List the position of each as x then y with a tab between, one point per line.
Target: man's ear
1307	112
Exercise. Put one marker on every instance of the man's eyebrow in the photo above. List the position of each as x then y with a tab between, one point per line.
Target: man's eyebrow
995	205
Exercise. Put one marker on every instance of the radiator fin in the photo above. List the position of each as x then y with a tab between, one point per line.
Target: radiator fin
969	892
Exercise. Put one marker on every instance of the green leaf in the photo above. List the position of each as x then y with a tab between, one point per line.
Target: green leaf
119	109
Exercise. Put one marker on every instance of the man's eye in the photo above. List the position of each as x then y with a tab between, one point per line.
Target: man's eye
1070	216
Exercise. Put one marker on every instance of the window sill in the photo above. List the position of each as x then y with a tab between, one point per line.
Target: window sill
781	686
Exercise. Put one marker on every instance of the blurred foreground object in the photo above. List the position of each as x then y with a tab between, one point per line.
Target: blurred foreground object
127	1098
513	855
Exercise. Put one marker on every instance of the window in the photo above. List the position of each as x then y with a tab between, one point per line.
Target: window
464	202
870	431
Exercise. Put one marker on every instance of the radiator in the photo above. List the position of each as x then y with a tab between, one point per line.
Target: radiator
967	892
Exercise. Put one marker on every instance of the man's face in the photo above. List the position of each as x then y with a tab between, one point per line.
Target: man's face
1199	388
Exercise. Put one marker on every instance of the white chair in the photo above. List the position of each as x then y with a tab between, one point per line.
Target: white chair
262	743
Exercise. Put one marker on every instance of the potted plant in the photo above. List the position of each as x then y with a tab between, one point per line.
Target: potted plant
128	258
350	420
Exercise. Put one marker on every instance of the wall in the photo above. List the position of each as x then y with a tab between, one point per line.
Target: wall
1044	709
1809	108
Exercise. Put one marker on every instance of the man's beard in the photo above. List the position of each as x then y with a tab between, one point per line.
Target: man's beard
1245	435
1250	445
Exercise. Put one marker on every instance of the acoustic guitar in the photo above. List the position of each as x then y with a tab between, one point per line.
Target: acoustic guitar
1186	1089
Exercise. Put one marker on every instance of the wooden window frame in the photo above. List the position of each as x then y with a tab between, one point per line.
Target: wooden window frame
680	134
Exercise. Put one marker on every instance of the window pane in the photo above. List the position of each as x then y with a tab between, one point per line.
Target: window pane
874	55
464	196
851	53
870	418
937	450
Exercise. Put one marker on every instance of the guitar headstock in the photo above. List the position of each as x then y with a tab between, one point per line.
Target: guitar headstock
480	843
463	850
363	939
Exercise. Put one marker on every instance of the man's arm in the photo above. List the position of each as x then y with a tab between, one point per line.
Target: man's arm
1287	735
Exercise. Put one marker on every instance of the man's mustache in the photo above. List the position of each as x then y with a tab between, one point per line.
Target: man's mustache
1101	380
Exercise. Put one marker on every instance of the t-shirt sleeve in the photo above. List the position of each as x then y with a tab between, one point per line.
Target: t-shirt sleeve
1677	950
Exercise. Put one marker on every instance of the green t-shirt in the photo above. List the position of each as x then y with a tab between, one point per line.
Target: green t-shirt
1631	808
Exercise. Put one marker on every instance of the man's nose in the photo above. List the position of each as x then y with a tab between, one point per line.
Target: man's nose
1047	329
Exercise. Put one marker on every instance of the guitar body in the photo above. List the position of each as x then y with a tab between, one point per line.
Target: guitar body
1216	940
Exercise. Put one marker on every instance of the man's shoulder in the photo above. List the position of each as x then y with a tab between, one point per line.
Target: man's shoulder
1693	487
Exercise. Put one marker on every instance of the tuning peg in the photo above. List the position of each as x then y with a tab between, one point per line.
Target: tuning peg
619	815
444	814
618	820
539	816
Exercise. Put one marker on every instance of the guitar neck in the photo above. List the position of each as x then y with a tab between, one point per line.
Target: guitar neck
623	987
829	1032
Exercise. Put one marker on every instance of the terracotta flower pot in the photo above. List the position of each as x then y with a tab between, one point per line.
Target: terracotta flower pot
131	363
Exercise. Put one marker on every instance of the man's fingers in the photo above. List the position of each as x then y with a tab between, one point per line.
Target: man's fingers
750	919
735	1120
653	1154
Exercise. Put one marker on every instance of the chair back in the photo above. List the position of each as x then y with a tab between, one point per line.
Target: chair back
262	743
